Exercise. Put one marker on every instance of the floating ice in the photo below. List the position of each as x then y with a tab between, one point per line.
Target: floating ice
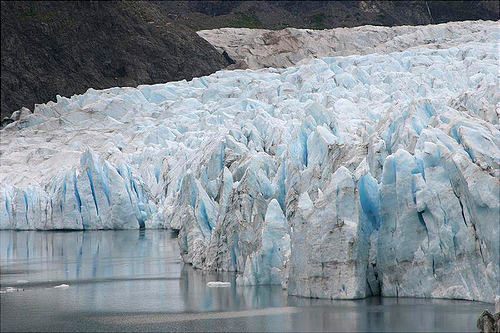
61	286
218	284
10	290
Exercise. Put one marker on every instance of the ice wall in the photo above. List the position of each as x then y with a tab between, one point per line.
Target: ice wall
92	195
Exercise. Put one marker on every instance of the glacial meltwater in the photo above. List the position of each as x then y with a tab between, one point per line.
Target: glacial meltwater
135	280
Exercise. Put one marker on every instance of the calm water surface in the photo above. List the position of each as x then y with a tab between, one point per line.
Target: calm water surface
135	281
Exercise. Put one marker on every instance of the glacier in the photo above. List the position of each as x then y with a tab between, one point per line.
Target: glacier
342	177
261	48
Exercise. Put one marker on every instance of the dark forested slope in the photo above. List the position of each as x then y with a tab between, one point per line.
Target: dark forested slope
51	48
325	14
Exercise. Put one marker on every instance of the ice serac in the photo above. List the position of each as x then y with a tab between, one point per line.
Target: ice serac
268	265
446	255
379	173
329	248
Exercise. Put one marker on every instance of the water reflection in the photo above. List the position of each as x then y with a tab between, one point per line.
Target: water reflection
74	256
137	275
107	270
200	298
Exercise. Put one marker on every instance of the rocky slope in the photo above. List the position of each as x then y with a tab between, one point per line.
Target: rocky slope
51	48
202	15
344	177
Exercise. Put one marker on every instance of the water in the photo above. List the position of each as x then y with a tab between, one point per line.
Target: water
135	281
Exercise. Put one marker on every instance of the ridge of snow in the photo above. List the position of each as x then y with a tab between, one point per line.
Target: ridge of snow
260	48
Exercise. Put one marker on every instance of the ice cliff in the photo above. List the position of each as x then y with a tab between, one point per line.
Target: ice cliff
340	178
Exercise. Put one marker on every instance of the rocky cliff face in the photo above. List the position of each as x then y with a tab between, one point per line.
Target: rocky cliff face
51	48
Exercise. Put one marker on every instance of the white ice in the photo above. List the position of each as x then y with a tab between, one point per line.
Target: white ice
218	284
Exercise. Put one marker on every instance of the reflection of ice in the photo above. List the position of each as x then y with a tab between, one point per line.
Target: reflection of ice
136	278
67	256
199	297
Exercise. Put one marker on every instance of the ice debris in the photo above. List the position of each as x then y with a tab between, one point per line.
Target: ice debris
61	286
218	284
10	290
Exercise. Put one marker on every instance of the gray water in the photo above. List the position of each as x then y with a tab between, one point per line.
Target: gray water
135	281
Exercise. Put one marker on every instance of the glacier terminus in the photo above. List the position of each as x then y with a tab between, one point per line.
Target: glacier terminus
339	177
